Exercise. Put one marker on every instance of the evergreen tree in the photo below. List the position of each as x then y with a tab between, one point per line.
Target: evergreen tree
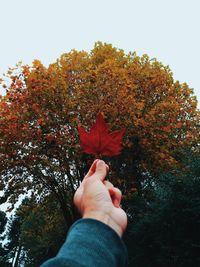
167	230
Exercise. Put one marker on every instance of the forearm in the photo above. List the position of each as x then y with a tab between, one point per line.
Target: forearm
90	243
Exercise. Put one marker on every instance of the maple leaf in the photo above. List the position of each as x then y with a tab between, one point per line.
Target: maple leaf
100	141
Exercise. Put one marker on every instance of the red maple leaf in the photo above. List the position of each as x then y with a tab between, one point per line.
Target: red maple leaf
100	141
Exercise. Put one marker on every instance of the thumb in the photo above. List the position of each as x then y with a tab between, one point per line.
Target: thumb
101	170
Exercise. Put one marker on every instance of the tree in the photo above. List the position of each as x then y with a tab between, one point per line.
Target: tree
3	221
40	113
14	246
3	253
35	233
166	230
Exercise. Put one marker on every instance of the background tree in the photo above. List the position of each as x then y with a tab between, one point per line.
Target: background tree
3	221
166	229
35	233
43	106
43	231
14	245
3	253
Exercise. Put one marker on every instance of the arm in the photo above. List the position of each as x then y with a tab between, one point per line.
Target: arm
90	243
95	240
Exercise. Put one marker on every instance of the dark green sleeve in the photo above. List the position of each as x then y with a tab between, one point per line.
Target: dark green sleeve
90	243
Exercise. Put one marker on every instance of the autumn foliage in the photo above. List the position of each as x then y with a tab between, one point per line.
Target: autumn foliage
43	107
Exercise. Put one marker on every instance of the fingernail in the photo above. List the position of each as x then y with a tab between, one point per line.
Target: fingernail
100	162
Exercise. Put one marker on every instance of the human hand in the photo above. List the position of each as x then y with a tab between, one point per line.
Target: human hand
97	198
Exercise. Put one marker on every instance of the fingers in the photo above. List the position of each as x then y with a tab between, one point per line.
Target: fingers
77	197
93	168
116	196
101	170
108	184
98	169
114	192
107	168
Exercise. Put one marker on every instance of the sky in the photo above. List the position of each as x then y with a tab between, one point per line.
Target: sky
45	29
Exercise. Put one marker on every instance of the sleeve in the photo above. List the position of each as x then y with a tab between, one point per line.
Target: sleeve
90	243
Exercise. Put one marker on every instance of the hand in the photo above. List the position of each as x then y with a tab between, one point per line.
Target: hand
98	199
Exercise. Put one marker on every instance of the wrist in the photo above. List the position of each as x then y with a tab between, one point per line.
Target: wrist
106	219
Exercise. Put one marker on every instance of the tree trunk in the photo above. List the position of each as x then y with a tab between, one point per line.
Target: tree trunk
16	263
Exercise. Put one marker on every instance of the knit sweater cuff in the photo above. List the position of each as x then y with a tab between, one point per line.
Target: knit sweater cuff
92	243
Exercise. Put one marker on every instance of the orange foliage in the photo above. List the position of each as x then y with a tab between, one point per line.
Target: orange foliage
43	107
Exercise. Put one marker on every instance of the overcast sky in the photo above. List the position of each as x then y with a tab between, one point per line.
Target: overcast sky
44	29
168	30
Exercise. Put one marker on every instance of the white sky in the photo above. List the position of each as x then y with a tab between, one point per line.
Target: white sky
44	29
